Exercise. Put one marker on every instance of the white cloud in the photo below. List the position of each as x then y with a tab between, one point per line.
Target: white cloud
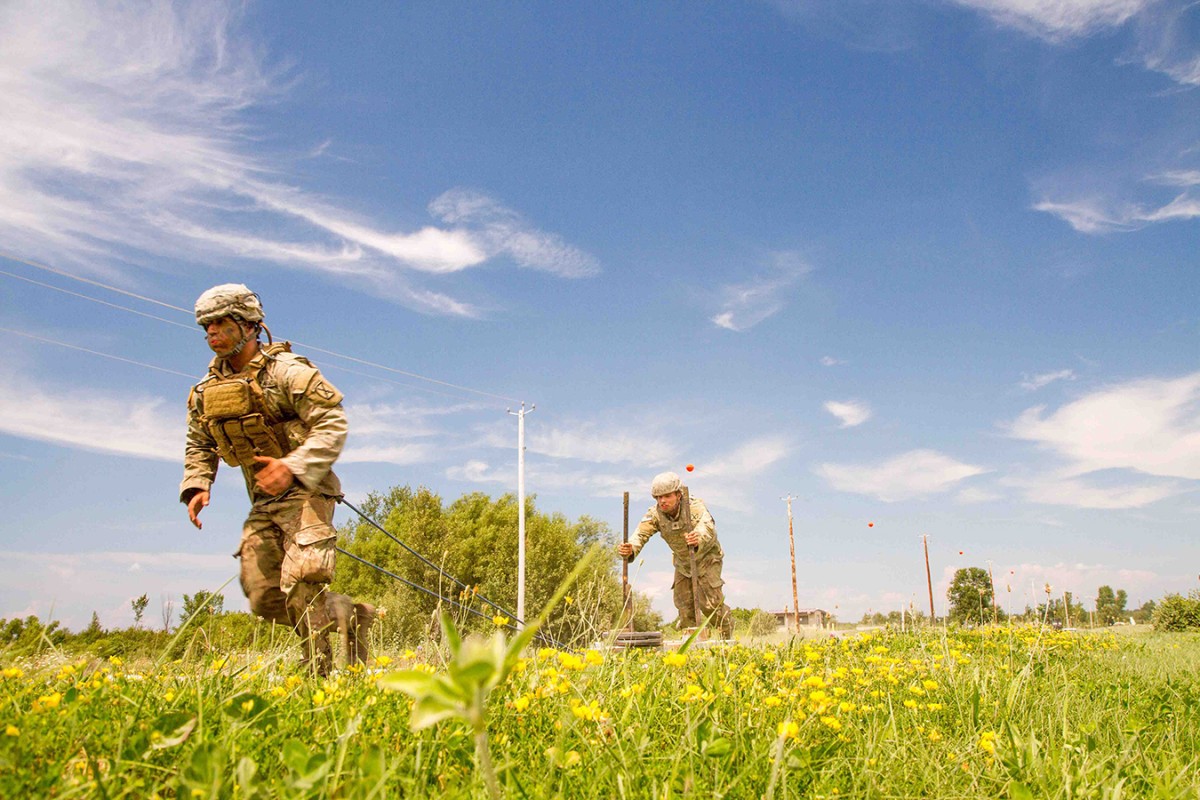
128	425
603	442
1056	20
747	304
1032	383
1078	494
1093	215
830	361
1150	426
749	459
972	495
850	413
502	230
917	473
125	130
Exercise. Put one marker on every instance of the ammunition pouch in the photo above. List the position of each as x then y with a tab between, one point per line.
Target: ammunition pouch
235	414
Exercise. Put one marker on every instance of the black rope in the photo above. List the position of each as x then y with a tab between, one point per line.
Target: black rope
540	636
429	563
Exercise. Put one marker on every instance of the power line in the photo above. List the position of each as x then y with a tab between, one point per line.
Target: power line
118	290
97	353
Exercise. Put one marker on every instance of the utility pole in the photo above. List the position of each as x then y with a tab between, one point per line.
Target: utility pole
792	548
928	577
520	415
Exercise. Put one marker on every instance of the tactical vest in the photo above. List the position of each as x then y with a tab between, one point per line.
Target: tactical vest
237	416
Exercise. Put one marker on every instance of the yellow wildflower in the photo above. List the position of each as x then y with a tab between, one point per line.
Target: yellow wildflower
12	672
833	723
987	742
499	620
593	657
521	703
318	697
772	702
382	661
12	730
788	730
47	701
629	691
675	659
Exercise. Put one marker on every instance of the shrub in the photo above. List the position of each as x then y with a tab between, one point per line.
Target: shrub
1177	613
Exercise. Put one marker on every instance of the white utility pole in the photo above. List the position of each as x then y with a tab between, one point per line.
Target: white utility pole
520	415
792	547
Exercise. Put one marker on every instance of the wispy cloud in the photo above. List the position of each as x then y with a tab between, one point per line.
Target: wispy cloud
1031	383
917	473
830	361
850	412
1150	426
503	231
127	425
1080	494
595	441
745	305
1101	215
155	157
1058	20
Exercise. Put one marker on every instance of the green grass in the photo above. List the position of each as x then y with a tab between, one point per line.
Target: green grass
1020	712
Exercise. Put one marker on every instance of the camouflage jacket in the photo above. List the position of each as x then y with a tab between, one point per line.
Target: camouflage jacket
309	419
672	530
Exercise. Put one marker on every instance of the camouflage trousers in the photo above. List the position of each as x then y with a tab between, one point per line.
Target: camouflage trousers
712	597
287	558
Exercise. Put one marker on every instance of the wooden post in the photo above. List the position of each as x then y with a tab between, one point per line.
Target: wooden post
626	594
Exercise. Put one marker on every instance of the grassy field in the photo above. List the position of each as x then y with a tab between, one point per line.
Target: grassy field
1003	712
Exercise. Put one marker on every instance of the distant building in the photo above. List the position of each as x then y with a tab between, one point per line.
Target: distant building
809	618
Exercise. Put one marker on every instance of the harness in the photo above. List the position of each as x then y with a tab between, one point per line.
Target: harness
238	417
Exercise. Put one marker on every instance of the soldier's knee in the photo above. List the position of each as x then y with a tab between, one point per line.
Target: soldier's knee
269	603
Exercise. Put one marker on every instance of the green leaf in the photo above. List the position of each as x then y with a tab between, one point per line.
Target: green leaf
718	747
430	711
1019	791
295	755
248	707
173	728
453	637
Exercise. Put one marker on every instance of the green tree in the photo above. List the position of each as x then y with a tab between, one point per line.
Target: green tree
970	596
139	608
474	539
207	604
1110	605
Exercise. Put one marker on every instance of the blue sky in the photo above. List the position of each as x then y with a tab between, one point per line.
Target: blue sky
927	264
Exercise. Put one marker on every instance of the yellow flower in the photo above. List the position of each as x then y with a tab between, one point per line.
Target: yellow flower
772	702
788	730
675	659
629	691
833	723
12	730
11	672
593	657
219	664
499	620
278	691
382	661
987	742
248	706
768	656
47	701
910	703
930	685
318	697
521	703
570	661
568	599
935	736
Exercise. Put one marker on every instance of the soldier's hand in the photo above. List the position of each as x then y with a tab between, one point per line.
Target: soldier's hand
624	549
198	501
273	476
692	538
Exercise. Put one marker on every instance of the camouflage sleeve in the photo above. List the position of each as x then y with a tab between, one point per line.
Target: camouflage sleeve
645	529
200	460
703	523
319	406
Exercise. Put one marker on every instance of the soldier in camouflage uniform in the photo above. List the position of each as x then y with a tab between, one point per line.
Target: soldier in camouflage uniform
665	517
272	414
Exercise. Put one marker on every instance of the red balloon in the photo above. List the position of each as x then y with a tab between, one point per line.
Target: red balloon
870	524
960	552
690	467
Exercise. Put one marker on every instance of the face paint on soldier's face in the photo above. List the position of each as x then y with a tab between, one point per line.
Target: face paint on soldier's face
223	335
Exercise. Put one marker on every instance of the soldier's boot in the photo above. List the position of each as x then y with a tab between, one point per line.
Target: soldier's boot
364	618
308	608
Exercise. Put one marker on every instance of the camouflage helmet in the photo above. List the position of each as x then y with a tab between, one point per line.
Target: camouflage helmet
665	483
228	300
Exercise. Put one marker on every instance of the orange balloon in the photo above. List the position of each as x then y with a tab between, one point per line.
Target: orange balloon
690	467
960	552
870	524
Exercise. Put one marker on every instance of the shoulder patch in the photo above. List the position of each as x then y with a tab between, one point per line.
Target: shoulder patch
322	393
